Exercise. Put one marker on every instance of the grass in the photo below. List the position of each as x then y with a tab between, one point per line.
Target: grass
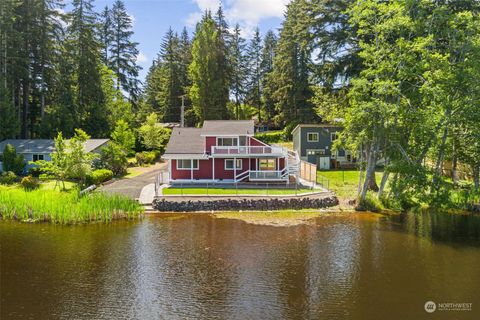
231	191
288	145
45	204
344	182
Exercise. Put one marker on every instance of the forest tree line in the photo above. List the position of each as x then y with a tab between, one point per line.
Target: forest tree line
400	75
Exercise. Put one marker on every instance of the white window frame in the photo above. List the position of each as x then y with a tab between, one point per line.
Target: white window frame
40	157
233	140
322	152
268	160
312	140
192	161
238	161
333	134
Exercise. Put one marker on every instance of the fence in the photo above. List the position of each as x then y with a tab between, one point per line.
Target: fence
308	171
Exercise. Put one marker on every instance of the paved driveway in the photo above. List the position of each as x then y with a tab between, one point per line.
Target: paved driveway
133	186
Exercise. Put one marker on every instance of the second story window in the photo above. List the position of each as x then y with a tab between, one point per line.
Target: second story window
333	136
227	142
312	137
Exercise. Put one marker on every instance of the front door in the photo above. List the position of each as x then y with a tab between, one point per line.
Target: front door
323	163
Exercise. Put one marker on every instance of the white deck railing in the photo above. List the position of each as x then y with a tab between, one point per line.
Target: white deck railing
248	150
266	175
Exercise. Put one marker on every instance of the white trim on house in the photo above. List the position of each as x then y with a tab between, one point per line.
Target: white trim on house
185	156
314	139
233	139
333	134
237	161
191	164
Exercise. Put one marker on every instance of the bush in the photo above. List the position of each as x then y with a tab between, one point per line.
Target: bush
35	171
11	161
271	137
29	183
115	159
146	157
99	176
8	177
371	203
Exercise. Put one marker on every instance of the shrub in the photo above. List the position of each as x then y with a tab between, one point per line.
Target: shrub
35	171
11	161
271	137
8	177
29	183
146	157
99	176
371	203
114	158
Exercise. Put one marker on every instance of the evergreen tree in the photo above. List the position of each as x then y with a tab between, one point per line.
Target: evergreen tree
106	33
254	85
266	67
238	63
210	83
85	57
124	52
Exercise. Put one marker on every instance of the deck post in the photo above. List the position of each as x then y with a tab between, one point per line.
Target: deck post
191	169
234	169
213	169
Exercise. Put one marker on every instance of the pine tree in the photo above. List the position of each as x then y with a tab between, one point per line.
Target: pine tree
84	49
124	52
254	85
106	33
210	85
266	67
238	63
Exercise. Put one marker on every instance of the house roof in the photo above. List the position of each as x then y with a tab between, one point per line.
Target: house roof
185	141
228	127
322	125
46	145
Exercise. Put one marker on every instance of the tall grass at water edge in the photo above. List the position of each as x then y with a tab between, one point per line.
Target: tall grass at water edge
65	207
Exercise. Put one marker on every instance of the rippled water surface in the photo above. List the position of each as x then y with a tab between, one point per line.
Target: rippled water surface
348	266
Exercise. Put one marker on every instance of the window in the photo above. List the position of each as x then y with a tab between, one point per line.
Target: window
186	164
37	157
227	142
266	164
315	152
229	164
333	136
349	158
312	136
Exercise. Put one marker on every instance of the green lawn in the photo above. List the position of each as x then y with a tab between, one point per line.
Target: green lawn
231	191
344	183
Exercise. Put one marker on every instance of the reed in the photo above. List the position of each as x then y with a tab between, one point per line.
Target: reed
65	207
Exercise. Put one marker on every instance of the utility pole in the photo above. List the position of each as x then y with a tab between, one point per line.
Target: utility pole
182	113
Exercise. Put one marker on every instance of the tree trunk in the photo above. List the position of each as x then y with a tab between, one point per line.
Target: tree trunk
476	177
383	183
454	166
369	171
25	107
441	153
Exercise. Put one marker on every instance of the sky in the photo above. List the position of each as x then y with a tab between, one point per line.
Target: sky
152	18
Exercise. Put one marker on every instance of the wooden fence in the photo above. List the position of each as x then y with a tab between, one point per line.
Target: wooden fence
308	171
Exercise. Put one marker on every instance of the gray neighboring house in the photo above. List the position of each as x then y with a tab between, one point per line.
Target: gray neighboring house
41	149
314	142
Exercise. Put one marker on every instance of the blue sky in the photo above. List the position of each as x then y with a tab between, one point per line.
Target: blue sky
152	18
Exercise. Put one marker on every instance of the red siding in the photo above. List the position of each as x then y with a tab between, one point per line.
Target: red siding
209	142
179	174
255	142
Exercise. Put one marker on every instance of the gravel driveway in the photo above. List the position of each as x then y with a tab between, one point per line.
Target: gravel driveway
133	186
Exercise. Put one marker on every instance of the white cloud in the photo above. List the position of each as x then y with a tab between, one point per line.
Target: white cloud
141	58
247	13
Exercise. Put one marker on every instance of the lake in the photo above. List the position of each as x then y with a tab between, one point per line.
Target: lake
197	266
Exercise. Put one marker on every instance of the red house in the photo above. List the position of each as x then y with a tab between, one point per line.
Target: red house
226	151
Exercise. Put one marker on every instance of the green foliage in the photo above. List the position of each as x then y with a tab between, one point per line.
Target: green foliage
271	137
114	158
11	161
29	183
146	157
99	176
208	73
153	135
66	207
78	161
124	137
8	178
370	203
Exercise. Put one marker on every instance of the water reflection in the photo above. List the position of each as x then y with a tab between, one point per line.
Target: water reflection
196	266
